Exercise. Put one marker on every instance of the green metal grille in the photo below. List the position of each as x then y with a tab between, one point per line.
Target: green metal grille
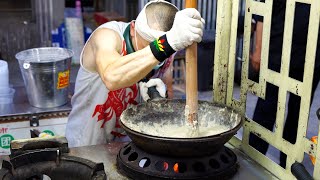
225	52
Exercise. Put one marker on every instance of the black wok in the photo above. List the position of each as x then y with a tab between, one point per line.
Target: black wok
165	112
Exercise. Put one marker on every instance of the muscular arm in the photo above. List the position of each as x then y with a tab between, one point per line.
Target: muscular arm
118	71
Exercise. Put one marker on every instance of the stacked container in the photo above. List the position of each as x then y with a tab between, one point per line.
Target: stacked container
6	93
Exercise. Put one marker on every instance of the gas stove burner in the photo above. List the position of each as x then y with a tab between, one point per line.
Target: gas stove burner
137	164
35	158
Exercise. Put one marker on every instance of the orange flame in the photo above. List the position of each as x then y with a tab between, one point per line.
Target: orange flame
176	168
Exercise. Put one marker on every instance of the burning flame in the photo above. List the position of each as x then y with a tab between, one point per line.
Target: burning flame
176	167
165	166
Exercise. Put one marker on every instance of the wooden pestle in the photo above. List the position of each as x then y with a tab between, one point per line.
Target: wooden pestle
191	110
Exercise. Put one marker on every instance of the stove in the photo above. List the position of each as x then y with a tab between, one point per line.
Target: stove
121	161
36	157
138	164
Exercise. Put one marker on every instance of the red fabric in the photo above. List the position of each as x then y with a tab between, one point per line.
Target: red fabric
116	103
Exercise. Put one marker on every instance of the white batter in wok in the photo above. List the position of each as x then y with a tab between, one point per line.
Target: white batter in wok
175	131
210	122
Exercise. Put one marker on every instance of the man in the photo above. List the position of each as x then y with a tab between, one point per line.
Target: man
265	112
116	57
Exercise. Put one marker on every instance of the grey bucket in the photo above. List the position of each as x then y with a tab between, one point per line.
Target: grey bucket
46	75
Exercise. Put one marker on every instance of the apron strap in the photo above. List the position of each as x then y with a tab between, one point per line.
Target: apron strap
127	39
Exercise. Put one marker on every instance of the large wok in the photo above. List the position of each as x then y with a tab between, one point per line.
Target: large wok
157	114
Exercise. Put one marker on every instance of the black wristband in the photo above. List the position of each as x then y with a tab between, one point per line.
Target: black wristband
161	49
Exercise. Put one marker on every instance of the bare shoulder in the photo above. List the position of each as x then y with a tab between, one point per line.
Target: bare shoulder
105	38
102	40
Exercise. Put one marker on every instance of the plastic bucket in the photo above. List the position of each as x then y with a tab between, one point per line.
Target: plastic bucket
46	75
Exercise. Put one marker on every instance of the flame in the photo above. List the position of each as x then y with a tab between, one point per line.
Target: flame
176	167
165	166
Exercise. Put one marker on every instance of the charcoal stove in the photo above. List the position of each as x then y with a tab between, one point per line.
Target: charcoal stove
100	162
159	156
138	164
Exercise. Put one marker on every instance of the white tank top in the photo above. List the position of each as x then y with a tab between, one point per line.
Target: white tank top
94	118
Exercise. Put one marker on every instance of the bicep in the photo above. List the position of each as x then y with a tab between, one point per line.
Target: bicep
106	48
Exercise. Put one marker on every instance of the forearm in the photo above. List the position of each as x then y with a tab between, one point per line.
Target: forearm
258	43
129	69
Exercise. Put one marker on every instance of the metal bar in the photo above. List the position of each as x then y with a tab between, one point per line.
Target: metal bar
232	51
268	163
243	7
291	84
39	19
16	10
199	7
223	28
45	22
179	4
124	8
286	55
214	15
258	8
50	22
245	63
268	136
209	21
264	9
305	1
204	10
313	32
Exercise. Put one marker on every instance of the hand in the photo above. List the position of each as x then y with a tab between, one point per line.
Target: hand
144	91
255	60
187	28
160	87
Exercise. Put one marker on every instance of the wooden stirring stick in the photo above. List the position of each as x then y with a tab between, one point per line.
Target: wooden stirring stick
191	110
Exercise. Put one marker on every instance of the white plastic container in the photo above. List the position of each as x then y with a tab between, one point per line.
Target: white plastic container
6	95
4	74
4	90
